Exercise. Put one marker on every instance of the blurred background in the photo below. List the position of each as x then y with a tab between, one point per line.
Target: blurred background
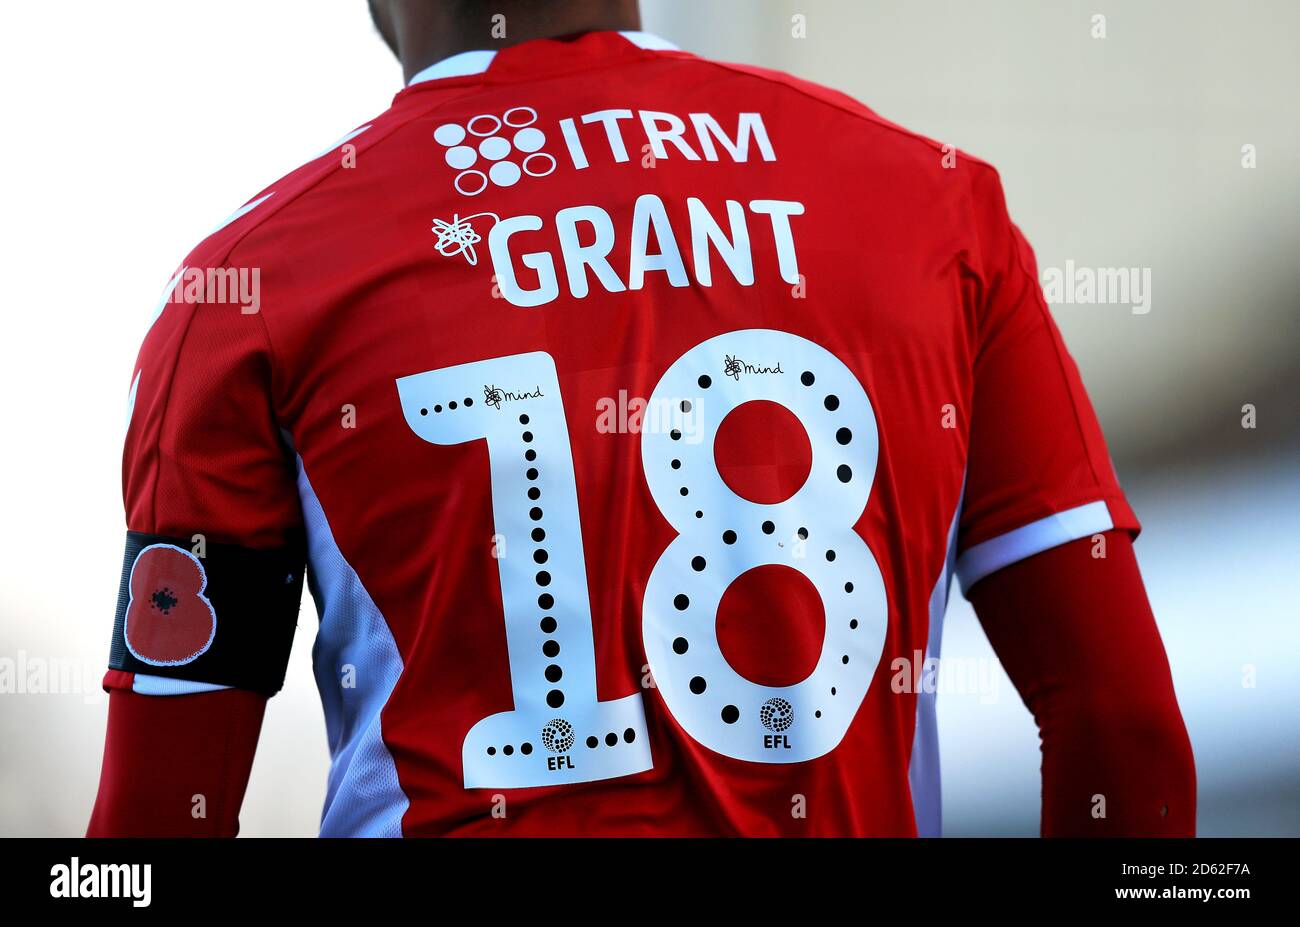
1171	143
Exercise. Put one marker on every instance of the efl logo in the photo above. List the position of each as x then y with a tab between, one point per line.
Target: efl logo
493	143
777	715
558	738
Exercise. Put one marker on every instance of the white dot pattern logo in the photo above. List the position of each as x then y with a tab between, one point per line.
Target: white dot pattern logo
490	150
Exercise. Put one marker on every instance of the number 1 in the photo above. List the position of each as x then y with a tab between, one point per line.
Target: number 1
558	732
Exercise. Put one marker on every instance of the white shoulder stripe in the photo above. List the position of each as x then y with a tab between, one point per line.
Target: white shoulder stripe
343	141
242	211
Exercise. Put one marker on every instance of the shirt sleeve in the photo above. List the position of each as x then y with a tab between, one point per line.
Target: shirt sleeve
1038	472
212	576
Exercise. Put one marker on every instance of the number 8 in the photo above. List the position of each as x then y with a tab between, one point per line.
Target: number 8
722	535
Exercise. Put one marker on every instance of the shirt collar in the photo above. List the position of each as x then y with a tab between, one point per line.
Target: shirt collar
478	61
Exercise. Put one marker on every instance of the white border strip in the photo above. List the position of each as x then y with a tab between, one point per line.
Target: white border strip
1034	538
461	65
478	61
144	684
649	41
923	769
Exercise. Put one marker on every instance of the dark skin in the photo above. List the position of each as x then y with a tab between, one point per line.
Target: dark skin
421	32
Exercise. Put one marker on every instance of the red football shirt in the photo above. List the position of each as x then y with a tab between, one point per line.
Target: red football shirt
631	412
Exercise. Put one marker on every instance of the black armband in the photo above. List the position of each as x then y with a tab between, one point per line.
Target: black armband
226	617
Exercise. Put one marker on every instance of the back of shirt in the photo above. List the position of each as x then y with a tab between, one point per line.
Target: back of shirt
632	412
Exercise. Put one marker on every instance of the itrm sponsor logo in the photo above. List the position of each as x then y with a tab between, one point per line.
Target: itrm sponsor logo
76	879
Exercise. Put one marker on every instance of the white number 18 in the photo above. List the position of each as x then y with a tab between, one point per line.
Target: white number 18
558	731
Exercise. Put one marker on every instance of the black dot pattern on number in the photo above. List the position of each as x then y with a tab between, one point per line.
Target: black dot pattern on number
705	381
833	692
831	402
468	403
592	742
526	749
551	648
424	411
685	491
676	464
730	714
853	624
845	659
803	534
629	735
681	645
507	750
817	713
768	527
728	537
807	378
491	751
675	434
843	436
698	564
830	555
699	514
848	587
698	685
686	405
844	472
681	602
611	739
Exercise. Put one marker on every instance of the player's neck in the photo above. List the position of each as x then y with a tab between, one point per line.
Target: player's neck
422	42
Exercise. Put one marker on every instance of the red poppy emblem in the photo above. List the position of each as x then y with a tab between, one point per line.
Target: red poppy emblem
169	622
